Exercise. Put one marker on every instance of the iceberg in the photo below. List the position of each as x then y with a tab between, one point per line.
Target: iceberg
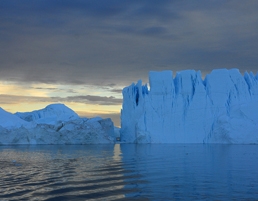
10	121
222	108
49	115
55	124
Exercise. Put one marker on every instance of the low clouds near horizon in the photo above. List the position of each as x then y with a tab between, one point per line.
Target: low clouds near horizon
118	42
87	99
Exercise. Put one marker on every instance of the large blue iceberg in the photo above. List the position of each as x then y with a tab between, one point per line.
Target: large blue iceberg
222	108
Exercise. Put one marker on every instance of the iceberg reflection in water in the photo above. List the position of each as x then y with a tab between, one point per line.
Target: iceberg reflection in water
126	171
193	171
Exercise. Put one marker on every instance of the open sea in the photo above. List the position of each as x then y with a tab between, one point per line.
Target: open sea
129	172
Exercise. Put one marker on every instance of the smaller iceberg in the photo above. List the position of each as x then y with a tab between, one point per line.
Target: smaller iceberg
55	124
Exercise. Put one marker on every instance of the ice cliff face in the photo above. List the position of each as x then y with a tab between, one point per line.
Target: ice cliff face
222	108
55	124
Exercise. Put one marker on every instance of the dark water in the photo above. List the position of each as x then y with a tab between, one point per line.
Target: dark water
127	171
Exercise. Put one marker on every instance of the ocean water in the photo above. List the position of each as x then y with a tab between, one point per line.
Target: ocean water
129	172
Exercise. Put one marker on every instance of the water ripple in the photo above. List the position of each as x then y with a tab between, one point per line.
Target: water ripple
126	172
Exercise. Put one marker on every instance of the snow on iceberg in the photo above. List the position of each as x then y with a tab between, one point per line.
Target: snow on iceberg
8	120
55	124
222	108
51	114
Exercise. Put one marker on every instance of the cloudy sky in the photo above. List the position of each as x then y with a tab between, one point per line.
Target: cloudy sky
83	52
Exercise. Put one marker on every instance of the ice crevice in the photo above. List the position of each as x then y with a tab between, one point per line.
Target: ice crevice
221	108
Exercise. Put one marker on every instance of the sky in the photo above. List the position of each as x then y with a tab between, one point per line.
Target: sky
84	52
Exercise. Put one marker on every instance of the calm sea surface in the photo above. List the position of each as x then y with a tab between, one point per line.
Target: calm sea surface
129	172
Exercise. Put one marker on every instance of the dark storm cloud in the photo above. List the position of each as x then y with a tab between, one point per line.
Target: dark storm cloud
98	100
116	91
45	88
54	89
102	42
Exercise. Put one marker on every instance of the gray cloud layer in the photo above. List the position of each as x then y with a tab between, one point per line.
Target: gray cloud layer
118	42
98	100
